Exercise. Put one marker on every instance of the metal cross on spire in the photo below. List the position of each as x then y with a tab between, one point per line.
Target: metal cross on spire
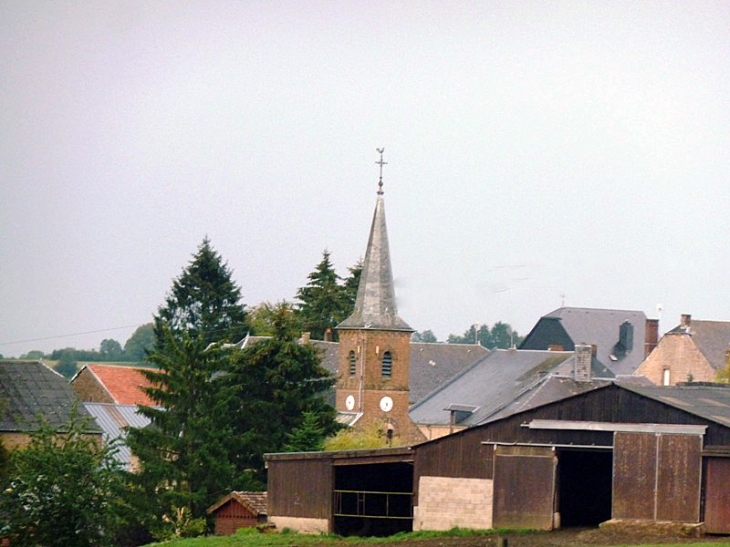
381	163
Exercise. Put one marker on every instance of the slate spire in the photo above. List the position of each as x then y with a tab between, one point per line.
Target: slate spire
375	306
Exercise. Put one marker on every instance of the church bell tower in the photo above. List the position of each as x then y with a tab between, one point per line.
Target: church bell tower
374	343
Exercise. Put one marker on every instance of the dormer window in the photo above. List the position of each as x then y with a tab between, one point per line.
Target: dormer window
353	363
387	370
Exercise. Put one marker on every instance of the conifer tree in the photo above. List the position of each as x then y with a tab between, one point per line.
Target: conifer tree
324	302
204	302
276	385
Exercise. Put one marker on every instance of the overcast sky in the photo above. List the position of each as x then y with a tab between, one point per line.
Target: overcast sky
539	154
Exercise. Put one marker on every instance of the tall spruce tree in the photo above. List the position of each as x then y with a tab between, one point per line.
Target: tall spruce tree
183	454
324	301
204	302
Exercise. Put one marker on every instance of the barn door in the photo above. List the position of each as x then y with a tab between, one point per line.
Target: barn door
717	496
524	487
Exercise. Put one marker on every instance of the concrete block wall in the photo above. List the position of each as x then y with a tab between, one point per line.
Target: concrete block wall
301	525
445	503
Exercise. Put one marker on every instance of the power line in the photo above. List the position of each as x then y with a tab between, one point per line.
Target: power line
58	336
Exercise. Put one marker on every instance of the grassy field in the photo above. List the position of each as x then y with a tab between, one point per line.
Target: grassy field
455	538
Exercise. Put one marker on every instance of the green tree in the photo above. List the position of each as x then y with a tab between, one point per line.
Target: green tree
262	318
350	286
424	336
63	489
66	365
499	336
476	334
309	436
274	384
324	302
33	355
503	337
184	453
204	302
110	350
140	343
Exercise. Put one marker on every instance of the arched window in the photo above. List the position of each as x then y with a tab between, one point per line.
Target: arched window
353	363
387	369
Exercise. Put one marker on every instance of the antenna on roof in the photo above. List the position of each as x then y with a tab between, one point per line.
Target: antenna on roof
381	163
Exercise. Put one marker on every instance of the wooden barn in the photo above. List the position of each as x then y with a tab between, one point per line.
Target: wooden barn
238	510
621	451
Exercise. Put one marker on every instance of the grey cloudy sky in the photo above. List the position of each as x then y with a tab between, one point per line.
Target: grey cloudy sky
538	153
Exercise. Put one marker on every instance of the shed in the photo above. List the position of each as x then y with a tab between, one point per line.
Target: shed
618	451
238	510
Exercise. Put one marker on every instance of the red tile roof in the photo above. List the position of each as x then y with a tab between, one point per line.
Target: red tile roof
124	384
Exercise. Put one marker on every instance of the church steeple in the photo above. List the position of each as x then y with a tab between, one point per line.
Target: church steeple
375	306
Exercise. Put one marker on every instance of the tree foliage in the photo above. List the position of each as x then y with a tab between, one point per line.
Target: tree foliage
140	343
63	489
426	336
327	299
371	436
276	385
204	302
500	336
184	453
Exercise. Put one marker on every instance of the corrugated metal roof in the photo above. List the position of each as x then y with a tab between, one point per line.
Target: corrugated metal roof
113	419
708	401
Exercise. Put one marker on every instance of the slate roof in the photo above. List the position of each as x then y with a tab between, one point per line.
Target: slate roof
712	338
706	400
113	419
30	390
433	364
124	384
499	383
599	327
256	502
375	305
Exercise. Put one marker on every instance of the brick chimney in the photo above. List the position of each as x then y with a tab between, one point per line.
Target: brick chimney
651	336
583	358
328	335
685	321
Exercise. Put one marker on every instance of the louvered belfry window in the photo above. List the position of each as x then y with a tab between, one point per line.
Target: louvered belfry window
353	363
387	365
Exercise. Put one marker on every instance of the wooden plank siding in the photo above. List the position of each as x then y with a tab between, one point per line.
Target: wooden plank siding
301	488
679	478
717	495
524	487
634	475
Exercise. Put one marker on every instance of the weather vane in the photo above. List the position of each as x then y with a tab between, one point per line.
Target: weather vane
381	163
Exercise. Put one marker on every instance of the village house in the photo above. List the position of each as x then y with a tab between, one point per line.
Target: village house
693	351
32	394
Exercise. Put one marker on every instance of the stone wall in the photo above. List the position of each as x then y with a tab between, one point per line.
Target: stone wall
445	503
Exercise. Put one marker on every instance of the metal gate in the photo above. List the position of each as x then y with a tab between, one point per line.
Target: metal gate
524	487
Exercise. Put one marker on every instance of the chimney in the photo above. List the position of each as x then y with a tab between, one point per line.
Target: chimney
685	321
626	336
328	335
651	336
583	358
306	337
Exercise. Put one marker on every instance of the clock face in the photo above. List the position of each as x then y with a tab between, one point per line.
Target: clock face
386	404
350	402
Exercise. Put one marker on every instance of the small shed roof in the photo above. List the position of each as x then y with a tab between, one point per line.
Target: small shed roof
255	502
